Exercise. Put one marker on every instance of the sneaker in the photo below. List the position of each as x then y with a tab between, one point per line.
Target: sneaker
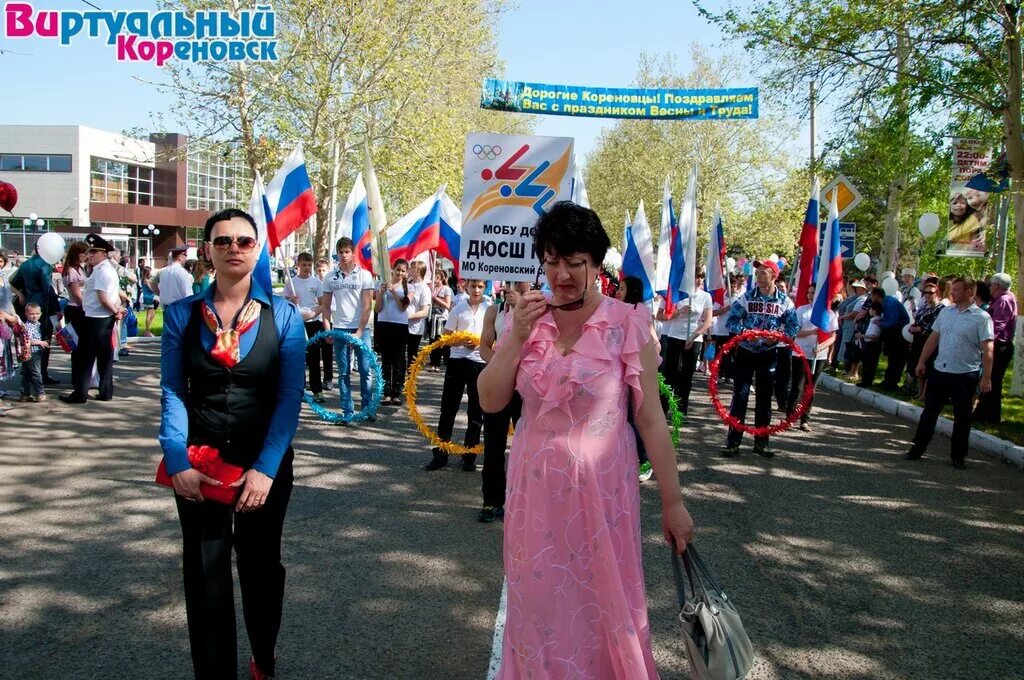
913	454
122	352
39	398
646	471
762	449
328	386
805	427
490	513
730	451
318	398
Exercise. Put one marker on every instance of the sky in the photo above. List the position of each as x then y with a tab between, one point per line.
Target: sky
576	42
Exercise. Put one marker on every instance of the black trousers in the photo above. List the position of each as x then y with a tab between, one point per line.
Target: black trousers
73	316
896	350
678	366
870	354
748	367
943	387
990	406
798	380
725	364
495	440
412	348
46	331
94	345
318	355
783	375
460	378
391	340
209	531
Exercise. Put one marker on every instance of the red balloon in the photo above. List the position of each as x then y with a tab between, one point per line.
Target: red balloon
8	196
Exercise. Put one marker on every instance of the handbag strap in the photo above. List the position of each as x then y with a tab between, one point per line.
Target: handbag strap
679	563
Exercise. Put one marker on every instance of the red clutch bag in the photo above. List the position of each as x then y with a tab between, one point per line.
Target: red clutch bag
207	460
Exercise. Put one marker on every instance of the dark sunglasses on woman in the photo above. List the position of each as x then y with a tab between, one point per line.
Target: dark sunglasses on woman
569	306
244	242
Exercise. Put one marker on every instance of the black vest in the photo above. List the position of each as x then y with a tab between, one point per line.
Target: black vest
230	408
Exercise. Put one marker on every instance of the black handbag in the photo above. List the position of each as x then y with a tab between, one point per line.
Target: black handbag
717	646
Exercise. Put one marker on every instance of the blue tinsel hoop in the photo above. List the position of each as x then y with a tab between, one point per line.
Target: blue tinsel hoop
377	379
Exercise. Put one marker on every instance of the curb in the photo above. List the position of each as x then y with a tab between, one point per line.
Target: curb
139	338
982	441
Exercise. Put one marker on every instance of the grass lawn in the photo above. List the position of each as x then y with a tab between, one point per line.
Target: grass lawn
1011	428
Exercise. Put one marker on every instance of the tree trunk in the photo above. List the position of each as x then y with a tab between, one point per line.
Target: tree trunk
1014	140
889	257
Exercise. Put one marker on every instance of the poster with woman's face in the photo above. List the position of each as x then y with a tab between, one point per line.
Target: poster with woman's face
969	209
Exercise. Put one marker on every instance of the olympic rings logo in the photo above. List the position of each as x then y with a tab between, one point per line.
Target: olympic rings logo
486	152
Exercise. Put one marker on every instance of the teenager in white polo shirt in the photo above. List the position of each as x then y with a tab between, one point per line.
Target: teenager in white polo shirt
460	376
683	338
306	290
351	288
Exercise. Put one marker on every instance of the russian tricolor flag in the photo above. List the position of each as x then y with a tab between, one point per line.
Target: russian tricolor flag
808	248
715	281
291	199
260	211
670	266
435	224
355	224
638	252
830	276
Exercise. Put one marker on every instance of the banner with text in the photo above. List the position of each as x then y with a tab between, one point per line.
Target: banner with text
509	181
969	211
608	102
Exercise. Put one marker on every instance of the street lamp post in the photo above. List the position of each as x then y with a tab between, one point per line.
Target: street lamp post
150	230
26	224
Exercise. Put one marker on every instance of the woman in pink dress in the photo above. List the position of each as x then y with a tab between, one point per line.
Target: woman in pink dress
576	601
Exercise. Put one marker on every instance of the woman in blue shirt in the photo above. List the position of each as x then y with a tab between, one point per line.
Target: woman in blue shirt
236	387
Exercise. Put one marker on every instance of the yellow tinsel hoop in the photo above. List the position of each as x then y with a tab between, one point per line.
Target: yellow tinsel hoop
449	340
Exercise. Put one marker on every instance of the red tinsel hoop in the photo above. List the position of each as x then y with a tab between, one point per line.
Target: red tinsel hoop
734	422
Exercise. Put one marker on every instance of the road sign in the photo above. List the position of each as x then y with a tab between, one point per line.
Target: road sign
841	190
847	239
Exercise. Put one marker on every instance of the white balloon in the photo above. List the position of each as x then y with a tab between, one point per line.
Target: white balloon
928	224
773	257
890	286
862	261
888	275
730	263
907	335
613	259
50	247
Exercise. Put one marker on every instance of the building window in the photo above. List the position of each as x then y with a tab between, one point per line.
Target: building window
118	182
15	162
218	177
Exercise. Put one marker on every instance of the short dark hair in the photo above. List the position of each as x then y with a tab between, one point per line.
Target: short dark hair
880	292
634	290
570	228
225	215
304	257
967	282
344	242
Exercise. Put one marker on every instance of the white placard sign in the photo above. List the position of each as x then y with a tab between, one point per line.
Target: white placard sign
510	180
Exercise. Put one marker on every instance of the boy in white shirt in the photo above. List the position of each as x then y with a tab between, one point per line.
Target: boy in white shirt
305	290
460	376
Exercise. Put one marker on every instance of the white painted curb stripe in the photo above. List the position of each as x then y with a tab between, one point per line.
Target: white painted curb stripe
982	441
499	634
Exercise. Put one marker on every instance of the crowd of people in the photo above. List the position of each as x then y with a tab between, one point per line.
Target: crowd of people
572	363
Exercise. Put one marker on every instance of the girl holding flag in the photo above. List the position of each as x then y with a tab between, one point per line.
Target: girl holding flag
809	339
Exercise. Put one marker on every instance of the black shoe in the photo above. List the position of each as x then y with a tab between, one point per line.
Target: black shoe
50	381
959	464
762	449
490	513
469	463
730	451
70	398
913	454
438	462
122	353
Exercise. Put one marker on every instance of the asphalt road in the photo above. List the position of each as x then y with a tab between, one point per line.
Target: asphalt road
844	560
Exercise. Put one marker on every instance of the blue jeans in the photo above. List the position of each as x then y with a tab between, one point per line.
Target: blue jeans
32	376
343	357
747	367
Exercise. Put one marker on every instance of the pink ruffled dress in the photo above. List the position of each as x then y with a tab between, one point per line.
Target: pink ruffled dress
576	601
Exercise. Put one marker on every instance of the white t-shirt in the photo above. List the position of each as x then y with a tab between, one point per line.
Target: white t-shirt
465	318
347	291
718	326
445	293
308	291
809	343
419	298
175	284
685	325
390	310
460	297
104	277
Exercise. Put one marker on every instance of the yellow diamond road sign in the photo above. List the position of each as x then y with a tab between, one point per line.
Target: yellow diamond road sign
842	191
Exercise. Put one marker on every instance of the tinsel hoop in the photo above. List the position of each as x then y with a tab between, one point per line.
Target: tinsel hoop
675	415
448	340
783	424
368	411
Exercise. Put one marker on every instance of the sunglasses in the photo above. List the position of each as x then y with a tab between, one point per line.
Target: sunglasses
245	243
569	306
